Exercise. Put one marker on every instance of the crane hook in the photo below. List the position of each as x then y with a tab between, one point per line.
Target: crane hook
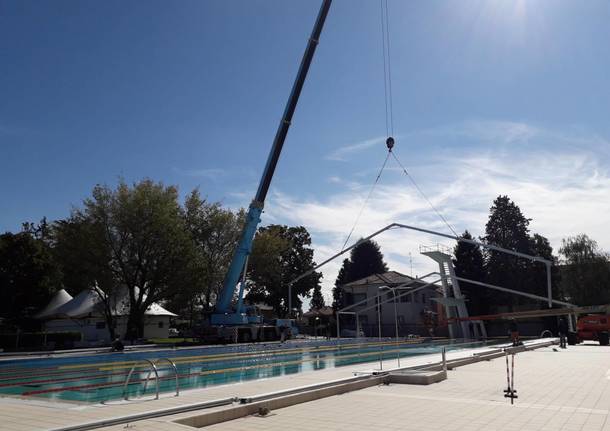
390	143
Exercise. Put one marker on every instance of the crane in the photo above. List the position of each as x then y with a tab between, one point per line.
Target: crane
224	314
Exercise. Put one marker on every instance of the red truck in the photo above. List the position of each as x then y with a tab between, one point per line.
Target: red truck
594	327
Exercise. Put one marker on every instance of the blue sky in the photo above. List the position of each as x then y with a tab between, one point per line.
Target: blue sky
490	97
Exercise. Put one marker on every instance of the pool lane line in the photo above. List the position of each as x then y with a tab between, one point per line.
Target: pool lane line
97	375
211	358
180	361
203	373
117	364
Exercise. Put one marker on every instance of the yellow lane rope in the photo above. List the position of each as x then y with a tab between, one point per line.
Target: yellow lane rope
112	365
294	362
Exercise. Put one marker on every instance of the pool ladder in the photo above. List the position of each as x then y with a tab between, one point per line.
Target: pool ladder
152	368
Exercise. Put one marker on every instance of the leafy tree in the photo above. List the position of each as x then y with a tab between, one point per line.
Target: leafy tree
28	275
143	242
469	264
317	299
585	271
216	232
507	227
83	256
279	255
537	283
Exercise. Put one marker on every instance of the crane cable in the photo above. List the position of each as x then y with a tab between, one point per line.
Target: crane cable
366	200
423	195
387	68
389	124
389	116
389	108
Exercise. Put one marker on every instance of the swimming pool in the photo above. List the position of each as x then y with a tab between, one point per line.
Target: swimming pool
101	377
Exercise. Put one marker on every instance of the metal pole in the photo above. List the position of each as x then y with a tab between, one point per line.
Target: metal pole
444	359
289	301
549	290
379	326
396	325
338	330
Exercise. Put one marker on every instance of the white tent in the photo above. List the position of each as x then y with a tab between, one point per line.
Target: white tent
60	298
81	305
84	313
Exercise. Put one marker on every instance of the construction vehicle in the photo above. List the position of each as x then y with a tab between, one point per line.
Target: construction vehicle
239	322
593	327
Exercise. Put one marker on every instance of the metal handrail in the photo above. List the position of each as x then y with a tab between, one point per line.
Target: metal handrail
173	365
152	367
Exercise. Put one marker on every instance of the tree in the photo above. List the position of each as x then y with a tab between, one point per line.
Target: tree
279	255
82	256
508	228
585	271
537	283
143	242
317	300
28	276
469	263
365	259
342	277
216	232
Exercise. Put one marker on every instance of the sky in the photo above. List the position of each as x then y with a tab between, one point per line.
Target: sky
489	97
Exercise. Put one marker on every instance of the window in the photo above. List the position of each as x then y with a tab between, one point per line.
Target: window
100	325
161	325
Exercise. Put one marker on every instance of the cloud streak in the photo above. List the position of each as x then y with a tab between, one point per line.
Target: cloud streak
342	154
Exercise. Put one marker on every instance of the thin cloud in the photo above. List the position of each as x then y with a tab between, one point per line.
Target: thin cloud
210	173
342	154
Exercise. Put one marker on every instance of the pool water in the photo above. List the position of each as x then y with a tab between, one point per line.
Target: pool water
101	377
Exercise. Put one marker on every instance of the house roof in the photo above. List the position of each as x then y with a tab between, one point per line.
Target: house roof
324	311
59	299
390	278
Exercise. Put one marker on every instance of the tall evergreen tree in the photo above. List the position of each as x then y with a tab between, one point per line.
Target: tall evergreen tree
469	264
507	227
338	294
317	300
365	259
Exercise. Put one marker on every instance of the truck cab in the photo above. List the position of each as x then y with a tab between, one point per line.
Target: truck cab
594	327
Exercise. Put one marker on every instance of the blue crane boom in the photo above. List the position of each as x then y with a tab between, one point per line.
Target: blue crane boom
224	315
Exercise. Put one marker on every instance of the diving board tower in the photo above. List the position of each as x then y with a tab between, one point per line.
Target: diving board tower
453	300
